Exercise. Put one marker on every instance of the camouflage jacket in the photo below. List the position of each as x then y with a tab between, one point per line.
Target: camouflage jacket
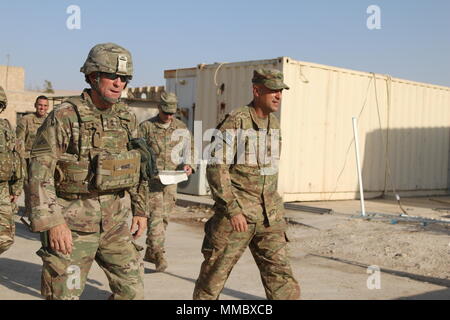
59	138
175	140
245	181
26	131
8	144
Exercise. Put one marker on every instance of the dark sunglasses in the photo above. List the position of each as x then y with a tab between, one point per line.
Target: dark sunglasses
168	113
113	76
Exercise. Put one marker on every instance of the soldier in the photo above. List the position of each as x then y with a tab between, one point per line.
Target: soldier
11	179
248	208
77	207
26	131
158	132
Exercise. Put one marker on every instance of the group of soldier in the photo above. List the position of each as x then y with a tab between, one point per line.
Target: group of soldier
77	163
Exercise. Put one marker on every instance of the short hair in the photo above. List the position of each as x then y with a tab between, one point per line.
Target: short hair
40	98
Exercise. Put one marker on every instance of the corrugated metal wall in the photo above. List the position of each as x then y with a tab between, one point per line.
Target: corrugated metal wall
318	160
224	87
183	83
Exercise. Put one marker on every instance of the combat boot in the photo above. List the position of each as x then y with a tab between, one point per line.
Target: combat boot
160	263
149	256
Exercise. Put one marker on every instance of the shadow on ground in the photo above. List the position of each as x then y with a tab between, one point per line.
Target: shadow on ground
416	277
230	292
433	295
25	278
23	232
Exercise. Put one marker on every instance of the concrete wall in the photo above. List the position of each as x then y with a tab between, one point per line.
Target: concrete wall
12	78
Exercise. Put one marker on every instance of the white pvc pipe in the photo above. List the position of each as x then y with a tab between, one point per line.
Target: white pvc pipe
361	192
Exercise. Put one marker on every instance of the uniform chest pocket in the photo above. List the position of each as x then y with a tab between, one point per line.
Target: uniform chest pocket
111	124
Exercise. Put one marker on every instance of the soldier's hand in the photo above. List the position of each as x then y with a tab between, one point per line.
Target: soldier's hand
188	169
239	223
60	238
141	224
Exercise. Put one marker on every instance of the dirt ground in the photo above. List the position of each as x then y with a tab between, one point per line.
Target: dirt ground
330	255
418	250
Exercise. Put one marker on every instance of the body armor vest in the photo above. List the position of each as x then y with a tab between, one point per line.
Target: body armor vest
10	162
102	162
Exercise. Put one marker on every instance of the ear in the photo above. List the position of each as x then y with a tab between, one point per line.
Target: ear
256	92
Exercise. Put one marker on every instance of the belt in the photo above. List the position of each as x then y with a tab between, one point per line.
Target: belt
87	196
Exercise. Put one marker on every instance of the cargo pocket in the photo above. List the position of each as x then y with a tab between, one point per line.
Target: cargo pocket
54	263
53	281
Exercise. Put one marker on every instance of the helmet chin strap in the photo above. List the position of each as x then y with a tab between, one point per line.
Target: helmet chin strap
96	86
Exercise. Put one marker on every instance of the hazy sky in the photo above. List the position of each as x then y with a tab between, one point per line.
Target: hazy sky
413	42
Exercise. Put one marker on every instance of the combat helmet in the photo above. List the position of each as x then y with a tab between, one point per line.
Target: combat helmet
3	100
109	58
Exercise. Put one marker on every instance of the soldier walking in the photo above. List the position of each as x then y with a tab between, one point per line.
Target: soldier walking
248	208
11	178
26	130
158	132
80	169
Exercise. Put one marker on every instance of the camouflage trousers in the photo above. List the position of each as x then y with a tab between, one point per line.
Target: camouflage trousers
161	201
222	247
7	225
64	276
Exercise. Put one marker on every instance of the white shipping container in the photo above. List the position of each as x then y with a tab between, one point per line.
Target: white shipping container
403	128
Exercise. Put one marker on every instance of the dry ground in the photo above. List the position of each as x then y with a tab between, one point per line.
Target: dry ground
419	251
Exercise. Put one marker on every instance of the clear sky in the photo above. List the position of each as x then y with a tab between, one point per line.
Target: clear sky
413	42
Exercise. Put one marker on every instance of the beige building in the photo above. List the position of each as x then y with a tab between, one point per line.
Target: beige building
142	101
21	101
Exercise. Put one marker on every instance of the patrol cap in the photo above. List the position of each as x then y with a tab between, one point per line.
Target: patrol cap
110	58
3	99
168	102
270	78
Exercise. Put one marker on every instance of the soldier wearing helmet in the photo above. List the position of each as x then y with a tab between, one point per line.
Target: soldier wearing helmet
167	136
81	168
11	179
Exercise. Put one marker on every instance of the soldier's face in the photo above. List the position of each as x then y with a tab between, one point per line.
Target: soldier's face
41	107
267	99
111	88
165	117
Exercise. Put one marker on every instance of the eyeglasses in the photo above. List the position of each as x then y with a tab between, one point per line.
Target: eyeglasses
113	76
168	113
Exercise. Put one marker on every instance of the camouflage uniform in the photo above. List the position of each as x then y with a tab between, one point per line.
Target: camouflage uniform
72	140
250	189
161	198
9	184
26	131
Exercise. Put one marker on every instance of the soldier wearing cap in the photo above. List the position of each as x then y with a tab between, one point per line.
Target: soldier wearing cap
81	167
11	178
248	208
26	130
163	133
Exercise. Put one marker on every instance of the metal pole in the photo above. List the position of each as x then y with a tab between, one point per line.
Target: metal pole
361	192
